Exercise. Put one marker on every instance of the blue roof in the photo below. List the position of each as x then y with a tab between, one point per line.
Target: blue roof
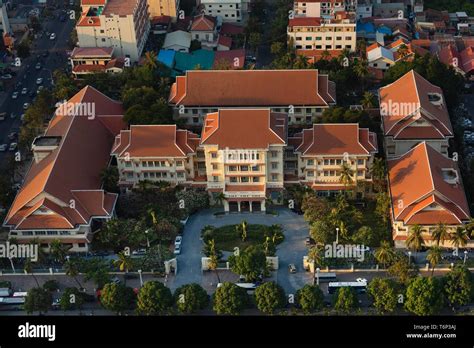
166	57
368	27
189	61
384	30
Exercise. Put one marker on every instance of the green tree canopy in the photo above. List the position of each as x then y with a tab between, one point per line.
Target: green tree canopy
269	297
229	299
424	296
250	263
117	297
345	300
310	298
38	299
190	298
384	294
154	298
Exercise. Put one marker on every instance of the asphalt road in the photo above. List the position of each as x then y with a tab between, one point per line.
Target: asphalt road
27	75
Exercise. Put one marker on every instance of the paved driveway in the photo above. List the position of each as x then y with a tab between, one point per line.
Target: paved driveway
291	250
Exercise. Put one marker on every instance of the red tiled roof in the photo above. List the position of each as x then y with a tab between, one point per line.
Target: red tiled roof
203	23
230	57
225	41
244	129
426	200
155	141
247	88
304	22
92	52
406	101
71	172
467	60
231	29
336	139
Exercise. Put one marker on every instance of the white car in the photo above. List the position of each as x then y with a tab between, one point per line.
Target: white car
178	240
13	146
3	147
39	80
26	106
7	77
15	95
38	66
24	91
52	36
40	88
177	249
139	252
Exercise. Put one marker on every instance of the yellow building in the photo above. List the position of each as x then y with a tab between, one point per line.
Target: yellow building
163	8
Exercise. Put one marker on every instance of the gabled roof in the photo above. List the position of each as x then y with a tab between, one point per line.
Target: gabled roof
335	139
44	201
467	60
410	99
248	88
154	141
244	129
203	23
419	192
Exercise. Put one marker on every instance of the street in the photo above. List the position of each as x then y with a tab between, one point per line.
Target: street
27	74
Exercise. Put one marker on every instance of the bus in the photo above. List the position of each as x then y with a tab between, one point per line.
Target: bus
360	286
12	300
250	287
325	277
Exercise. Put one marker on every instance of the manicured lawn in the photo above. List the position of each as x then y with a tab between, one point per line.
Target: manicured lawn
371	219
227	237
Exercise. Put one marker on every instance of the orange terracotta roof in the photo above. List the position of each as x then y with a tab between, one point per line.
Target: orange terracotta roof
154	141
247	88
419	191
467	60
304	22
336	139
92	68
73	167
203	23
244	129
407	101
92	52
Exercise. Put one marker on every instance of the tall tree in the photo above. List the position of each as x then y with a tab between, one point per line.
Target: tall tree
415	239
385	253
434	257
440	233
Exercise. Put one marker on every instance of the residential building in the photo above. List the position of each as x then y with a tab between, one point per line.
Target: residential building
121	24
158	8
204	29
303	94
462	62
323	8
413	110
179	41
155	153
425	190
315	33
229	11
90	60
383	57
316	156
62	197
243	152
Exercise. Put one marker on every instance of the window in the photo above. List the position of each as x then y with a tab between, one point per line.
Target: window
311	173
214	166
244	168
180	175
179	163
213	154
310	162
215	178
244	179
255	168
256	179
274	154
274	177
360	162
233	179
274	165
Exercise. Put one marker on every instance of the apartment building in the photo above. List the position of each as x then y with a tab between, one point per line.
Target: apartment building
323	8
315	157
316	33
425	190
413	110
123	25
155	153
158	8
91	60
228	11
62	197
302	94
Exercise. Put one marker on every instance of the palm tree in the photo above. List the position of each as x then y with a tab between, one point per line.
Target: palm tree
368	100
28	268
460	237
385	253
325	55
213	258
243	229
71	268
440	234
345	177
124	262
150	60
434	257
219	198
301	62
58	250
415	239
378	171
403	51
344	56
361	69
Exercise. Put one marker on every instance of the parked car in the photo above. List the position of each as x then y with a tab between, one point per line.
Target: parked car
292	268
309	241
178	240
26	106
38	66
52	36
13	146
39	80
7	77
177	249
3	147
15	95
24	91
12	135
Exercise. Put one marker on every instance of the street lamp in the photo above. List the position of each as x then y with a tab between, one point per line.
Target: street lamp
409	257
465	256
147	240
141	279
11	262
337	235
317	276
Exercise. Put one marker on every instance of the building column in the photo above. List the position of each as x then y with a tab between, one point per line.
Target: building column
226	205
263	206
238	204
250	206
